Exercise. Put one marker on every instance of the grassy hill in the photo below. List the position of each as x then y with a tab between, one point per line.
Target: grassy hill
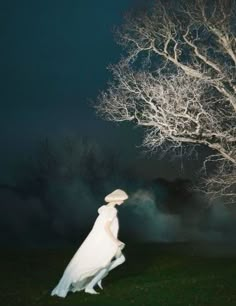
153	274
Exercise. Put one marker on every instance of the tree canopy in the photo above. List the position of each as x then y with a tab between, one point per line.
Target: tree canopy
178	81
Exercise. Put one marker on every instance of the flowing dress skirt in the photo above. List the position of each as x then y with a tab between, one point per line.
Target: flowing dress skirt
94	254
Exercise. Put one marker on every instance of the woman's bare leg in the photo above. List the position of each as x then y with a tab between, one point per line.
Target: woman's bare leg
118	261
94	281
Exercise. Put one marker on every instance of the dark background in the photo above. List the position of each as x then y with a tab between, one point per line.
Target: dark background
54	57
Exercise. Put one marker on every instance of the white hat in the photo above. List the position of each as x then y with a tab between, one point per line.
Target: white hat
117	195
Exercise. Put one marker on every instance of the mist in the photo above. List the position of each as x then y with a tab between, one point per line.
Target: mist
55	199
149	223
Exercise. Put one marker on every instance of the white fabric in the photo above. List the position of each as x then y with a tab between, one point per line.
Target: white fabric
94	254
102	273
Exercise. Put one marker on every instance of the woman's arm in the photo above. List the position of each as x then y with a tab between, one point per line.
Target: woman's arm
109	232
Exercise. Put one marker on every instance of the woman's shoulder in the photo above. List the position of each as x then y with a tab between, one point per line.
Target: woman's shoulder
101	208
106	208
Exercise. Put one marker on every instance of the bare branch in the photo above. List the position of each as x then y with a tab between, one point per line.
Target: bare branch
187	92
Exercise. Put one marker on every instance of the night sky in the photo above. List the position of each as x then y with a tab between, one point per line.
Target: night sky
54	56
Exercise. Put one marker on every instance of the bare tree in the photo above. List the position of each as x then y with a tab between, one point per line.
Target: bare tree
178	81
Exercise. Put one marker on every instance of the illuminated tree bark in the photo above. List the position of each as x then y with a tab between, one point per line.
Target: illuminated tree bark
177	81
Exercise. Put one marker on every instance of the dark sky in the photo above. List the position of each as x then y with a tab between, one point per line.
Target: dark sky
53	58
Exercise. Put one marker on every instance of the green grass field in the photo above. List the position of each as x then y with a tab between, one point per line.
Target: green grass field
153	274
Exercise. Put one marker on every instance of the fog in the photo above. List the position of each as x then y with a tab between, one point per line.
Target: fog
73	210
54	197
149	223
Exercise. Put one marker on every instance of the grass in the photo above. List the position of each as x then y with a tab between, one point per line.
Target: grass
153	274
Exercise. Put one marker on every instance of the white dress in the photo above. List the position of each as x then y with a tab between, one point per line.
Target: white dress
94	254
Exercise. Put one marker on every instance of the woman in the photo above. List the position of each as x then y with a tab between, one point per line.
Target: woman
93	260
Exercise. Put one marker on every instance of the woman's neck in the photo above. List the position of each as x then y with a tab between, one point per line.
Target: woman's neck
111	204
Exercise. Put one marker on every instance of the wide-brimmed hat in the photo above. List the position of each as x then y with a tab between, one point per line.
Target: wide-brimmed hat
116	195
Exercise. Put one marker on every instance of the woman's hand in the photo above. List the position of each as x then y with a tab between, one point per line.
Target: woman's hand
120	244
